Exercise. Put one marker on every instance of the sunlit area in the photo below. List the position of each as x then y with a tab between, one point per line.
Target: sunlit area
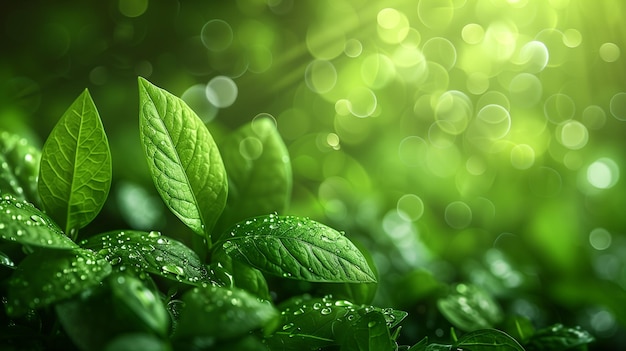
467	147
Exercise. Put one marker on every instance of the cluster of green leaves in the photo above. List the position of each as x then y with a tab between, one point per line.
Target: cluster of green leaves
127	289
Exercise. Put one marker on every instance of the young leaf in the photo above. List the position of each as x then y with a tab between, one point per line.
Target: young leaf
184	161
222	313
297	248
75	170
65	273
259	172
470	308
370	332
19	167
151	253
559	338
23	223
487	340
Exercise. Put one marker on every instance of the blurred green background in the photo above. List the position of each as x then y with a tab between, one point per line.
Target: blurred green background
456	140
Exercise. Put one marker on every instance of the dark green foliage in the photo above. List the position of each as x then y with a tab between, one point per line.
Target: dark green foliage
132	289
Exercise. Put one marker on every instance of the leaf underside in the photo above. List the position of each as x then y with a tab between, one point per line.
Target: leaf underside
183	159
297	248
75	170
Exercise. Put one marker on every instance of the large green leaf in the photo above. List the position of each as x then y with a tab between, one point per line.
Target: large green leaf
259	172
487	340
222	313
19	167
21	222
470	308
48	276
297	248
151	252
75	170
183	159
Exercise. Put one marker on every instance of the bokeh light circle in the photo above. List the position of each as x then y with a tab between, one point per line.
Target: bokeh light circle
525	89
440	50
435	14
609	52
221	91
362	102
618	106
453	112
594	117
572	134
534	57
217	35
458	215
522	156
412	151
559	108
410	207
133	8
473	33
495	121
600	239
377	70
393	25
196	98
251	148
353	48
603	173
320	76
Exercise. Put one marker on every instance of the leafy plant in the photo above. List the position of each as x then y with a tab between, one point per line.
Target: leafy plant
128	288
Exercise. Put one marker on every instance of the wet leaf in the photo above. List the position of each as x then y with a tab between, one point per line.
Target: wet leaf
222	313
559	338
487	340
151	252
259	172
183	159
312	323
21	222
75	170
19	167
65	273
469	308
297	248
244	276
369	332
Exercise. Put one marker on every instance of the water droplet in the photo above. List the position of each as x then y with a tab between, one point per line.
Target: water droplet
172	268
371	324
37	219
288	326
154	234
116	260
317	306
326	310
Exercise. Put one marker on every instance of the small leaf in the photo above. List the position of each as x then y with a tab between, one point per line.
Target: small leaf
184	162
420	346
21	222
65	273
75	170
487	340
19	167
245	277
297	248
312	323
259	172
222	313
369	333
559	338
470	308
150	253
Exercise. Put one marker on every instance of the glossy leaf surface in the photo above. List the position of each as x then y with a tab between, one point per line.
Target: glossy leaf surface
75	170
259	172
487	340
64	274
222	313
470	308
370	332
558	338
150	252
21	222
184	162
297	248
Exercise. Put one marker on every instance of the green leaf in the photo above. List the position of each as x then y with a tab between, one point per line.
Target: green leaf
151	252
45	277
137	341
558	338
259	172
222	313
420	346
75	170
133	298
21	222
312	323
184	162
244	276
370	332
19	167
470	308
297	248
487	340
